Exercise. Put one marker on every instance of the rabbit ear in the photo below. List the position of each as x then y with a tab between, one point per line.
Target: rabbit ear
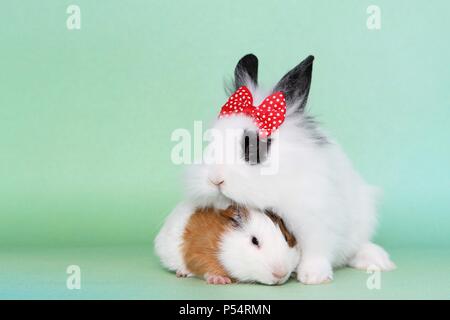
296	83
246	71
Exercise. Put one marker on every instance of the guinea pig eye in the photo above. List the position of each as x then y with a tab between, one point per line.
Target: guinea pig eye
255	149
255	241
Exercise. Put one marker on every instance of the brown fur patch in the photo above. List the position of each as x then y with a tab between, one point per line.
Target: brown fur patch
290	239
201	240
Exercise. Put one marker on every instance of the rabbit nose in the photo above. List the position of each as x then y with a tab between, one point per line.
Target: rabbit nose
216	179
217	182
279	274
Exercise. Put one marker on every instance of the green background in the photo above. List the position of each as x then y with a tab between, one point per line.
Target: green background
86	117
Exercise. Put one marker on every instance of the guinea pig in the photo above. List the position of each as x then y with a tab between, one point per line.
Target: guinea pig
230	245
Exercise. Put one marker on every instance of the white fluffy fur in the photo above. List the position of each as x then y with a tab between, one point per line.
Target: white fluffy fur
321	198
242	260
170	238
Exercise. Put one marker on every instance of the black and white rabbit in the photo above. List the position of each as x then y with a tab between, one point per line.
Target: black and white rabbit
322	199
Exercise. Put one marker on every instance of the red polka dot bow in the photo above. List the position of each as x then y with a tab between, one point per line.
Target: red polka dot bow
268	116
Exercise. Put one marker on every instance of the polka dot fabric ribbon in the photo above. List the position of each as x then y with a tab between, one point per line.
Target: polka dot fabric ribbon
268	116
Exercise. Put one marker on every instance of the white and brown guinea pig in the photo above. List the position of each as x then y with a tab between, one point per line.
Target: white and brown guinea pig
223	246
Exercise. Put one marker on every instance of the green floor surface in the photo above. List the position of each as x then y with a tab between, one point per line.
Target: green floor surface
133	272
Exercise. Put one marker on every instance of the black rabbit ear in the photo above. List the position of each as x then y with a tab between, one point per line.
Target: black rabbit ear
246	71
296	83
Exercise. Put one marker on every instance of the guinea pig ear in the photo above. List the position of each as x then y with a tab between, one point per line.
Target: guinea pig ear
246	72
296	83
236	215
276	219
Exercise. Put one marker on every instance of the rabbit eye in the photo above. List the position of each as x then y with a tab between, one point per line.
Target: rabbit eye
254	149
255	241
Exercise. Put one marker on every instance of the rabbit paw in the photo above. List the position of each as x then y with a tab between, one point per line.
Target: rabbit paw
372	256
315	271
215	279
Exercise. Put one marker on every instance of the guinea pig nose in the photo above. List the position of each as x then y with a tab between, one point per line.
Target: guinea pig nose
279	274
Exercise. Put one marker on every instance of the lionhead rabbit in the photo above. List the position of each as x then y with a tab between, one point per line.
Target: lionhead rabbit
321	198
